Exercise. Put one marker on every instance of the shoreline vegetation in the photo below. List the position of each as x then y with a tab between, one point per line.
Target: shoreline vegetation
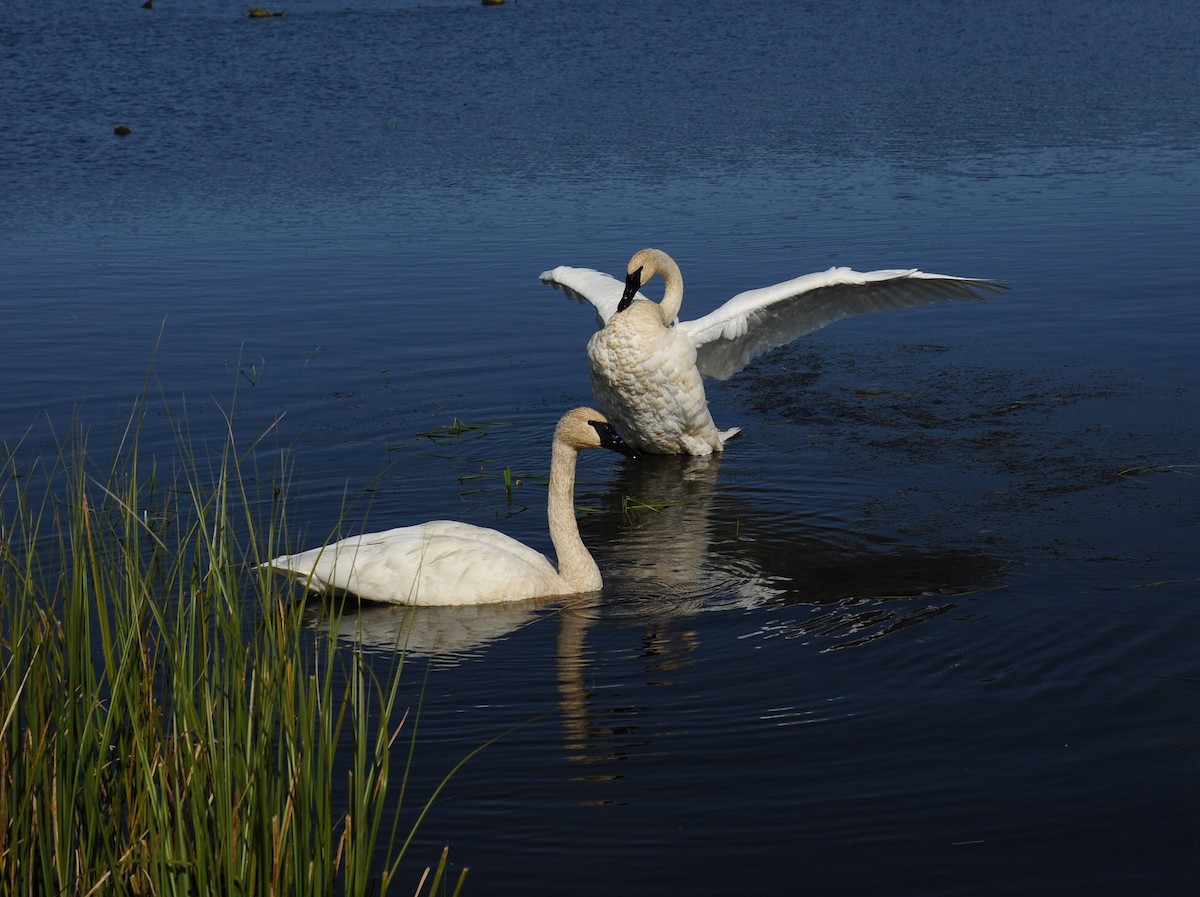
164	726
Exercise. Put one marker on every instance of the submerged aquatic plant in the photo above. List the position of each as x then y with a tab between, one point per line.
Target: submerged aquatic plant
457	430
632	508
166	724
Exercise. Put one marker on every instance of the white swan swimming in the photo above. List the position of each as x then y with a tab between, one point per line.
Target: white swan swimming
445	562
647	366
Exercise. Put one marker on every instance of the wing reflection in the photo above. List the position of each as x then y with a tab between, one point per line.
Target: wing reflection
672	543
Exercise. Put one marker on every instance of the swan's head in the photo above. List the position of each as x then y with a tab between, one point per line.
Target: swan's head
643	266
582	428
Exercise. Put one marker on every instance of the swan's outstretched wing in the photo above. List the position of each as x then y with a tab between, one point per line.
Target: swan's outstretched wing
756	321
585	285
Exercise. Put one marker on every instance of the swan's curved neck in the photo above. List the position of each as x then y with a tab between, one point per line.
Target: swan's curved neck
672	299
575	564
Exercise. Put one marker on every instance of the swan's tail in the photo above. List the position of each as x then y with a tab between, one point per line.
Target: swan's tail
726	435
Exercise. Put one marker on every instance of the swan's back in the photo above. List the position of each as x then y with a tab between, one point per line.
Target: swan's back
443	562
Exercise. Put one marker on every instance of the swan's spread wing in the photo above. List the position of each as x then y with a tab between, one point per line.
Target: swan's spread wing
441	562
756	321
585	285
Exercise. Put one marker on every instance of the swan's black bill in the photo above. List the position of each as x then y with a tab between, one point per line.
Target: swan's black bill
633	283
611	439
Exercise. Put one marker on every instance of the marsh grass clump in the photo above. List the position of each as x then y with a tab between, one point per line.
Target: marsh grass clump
167	726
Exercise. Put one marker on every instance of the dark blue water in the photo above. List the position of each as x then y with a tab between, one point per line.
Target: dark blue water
930	626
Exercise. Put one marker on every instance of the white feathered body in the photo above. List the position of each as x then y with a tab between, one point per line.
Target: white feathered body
448	563
644	377
442	562
647	368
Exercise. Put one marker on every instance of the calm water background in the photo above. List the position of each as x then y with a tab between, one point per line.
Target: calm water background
930	626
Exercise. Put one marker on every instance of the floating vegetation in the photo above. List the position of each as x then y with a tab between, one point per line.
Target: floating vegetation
250	371
1143	469
1134	586
633	509
457	430
506	477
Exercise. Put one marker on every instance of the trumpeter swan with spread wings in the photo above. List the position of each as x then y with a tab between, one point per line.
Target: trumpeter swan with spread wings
647	366
445	562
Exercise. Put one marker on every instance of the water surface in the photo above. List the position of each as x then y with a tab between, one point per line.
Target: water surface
929	626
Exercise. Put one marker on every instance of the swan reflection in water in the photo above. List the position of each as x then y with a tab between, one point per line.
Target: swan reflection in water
675	553
674	545
686	545
447	635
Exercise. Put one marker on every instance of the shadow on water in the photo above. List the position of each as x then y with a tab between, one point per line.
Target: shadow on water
1050	462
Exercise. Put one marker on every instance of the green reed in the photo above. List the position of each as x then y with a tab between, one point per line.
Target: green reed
166	725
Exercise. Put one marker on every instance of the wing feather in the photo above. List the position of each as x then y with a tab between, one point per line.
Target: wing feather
584	285
757	321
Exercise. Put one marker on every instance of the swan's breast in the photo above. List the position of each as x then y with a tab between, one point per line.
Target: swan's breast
645	379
